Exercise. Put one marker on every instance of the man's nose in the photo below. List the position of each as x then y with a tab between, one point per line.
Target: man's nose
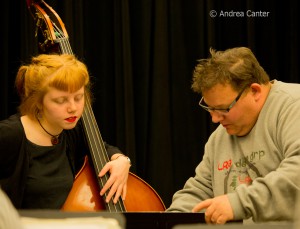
216	117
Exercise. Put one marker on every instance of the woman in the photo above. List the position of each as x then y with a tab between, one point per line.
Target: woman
42	147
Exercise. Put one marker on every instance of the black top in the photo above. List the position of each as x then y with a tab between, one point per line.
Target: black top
49	178
16	158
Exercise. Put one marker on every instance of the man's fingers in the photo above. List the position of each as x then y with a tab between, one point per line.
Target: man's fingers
202	205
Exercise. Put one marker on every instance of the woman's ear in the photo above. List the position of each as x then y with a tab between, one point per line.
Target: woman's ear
39	112
39	115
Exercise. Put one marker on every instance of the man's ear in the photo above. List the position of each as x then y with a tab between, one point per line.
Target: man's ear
256	90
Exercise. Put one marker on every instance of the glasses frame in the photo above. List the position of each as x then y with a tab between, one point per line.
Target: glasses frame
220	110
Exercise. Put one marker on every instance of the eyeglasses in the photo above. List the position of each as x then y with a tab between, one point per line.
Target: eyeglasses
219	110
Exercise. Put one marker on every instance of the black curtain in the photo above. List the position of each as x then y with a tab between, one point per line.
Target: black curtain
141	55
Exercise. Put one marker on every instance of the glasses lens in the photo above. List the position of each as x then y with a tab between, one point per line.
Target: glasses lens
222	112
210	109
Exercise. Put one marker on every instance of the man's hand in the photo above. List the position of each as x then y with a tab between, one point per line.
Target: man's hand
218	210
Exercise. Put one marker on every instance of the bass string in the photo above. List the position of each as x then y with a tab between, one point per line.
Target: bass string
94	136
98	151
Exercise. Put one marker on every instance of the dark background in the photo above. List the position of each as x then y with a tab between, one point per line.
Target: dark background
141	55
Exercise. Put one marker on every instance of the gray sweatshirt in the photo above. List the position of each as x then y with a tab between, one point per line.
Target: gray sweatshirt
260	172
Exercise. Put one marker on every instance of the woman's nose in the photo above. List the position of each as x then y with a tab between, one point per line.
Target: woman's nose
72	107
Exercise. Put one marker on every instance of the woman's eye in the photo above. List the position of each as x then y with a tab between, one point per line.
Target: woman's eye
78	98
59	101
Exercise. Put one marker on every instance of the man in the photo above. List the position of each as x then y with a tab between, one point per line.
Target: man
251	163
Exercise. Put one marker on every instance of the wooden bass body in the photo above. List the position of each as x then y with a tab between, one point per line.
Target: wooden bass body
85	196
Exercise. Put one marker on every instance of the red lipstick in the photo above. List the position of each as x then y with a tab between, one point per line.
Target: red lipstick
71	119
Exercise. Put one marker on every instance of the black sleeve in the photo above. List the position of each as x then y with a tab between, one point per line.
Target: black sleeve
10	142
111	150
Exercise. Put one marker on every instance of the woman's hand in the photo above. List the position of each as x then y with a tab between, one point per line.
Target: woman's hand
117	182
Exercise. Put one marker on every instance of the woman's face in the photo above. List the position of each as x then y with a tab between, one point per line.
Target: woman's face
62	109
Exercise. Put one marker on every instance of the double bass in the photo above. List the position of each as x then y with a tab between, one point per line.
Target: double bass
84	196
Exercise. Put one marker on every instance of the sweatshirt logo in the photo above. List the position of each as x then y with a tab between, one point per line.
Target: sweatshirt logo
240	171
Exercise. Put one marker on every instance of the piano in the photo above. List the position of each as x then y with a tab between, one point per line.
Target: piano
127	220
